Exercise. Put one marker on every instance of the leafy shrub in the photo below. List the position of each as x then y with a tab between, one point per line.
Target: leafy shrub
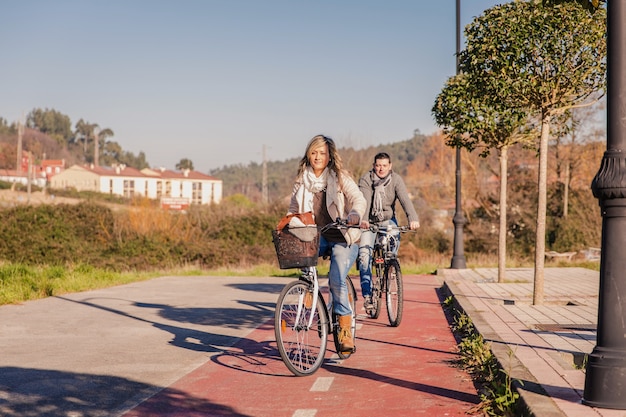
581	228
51	234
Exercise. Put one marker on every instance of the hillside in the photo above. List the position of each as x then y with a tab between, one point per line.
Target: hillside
424	162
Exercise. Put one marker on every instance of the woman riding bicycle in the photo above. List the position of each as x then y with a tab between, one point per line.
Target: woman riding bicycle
323	187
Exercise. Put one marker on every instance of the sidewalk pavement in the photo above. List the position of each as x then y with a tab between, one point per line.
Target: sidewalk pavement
543	346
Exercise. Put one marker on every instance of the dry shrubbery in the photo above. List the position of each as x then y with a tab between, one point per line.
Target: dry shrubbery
143	237
237	233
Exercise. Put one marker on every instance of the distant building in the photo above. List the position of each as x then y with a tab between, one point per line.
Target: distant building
12	176
197	187
192	186
40	174
51	167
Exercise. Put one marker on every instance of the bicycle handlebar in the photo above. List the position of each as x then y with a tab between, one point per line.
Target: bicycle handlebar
339	224
376	228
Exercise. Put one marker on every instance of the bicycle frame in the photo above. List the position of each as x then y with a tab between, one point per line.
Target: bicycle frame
386	240
309	274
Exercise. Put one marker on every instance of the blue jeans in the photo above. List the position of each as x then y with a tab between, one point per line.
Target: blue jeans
366	248
342	257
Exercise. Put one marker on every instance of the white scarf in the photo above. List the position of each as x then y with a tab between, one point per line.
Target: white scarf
311	185
378	202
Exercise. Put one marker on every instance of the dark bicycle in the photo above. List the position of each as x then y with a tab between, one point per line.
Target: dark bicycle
386	273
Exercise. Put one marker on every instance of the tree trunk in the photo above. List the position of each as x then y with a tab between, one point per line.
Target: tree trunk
540	239
566	189
503	209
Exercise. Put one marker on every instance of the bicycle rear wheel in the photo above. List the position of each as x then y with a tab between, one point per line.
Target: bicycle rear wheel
301	347
394	293
352	299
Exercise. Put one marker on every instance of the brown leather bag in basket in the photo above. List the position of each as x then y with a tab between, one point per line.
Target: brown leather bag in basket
291	250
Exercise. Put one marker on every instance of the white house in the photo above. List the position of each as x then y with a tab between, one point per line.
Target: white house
9	175
193	186
199	188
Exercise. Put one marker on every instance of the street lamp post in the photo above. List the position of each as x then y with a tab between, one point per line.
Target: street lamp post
458	256
605	377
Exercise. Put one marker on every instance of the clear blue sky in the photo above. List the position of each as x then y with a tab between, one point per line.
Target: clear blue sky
216	80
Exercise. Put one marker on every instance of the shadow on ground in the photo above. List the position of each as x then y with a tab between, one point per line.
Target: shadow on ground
28	392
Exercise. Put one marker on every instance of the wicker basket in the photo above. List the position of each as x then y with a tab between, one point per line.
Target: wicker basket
293	252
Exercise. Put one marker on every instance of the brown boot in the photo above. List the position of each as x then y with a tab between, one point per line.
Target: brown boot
308	300
346	342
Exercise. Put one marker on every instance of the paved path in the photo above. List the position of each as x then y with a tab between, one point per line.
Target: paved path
543	345
204	346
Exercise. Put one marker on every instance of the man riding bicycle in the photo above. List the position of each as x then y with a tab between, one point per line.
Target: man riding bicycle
381	188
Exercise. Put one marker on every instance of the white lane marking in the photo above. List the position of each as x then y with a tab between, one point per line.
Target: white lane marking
322	383
305	413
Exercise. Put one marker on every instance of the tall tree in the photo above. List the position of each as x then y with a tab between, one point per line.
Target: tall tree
472	119
52	123
4	127
184	163
84	133
100	136
581	126
547	58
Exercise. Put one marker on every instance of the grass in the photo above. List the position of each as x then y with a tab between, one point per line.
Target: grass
19	283
498	397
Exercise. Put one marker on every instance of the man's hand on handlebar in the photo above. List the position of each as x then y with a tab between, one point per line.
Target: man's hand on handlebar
353	219
414	225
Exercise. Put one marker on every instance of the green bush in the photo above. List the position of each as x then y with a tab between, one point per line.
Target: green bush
54	234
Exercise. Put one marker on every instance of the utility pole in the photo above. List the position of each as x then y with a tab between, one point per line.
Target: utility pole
20	135
265	197
29	175
96	149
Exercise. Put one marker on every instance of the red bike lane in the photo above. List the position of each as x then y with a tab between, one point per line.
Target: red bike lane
402	371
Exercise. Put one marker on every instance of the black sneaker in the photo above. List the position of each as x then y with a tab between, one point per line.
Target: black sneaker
367	302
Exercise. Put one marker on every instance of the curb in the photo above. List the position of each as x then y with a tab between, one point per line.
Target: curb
534	400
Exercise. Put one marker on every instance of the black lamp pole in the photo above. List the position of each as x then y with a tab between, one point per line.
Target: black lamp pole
605	378
458	257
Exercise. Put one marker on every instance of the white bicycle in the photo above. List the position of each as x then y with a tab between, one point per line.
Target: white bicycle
303	319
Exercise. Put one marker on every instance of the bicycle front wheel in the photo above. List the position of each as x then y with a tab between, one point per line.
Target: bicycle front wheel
302	347
394	293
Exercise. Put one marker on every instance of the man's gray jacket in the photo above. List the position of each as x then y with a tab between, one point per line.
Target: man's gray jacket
394	191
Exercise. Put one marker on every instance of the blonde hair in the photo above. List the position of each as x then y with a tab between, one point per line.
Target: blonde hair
334	162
